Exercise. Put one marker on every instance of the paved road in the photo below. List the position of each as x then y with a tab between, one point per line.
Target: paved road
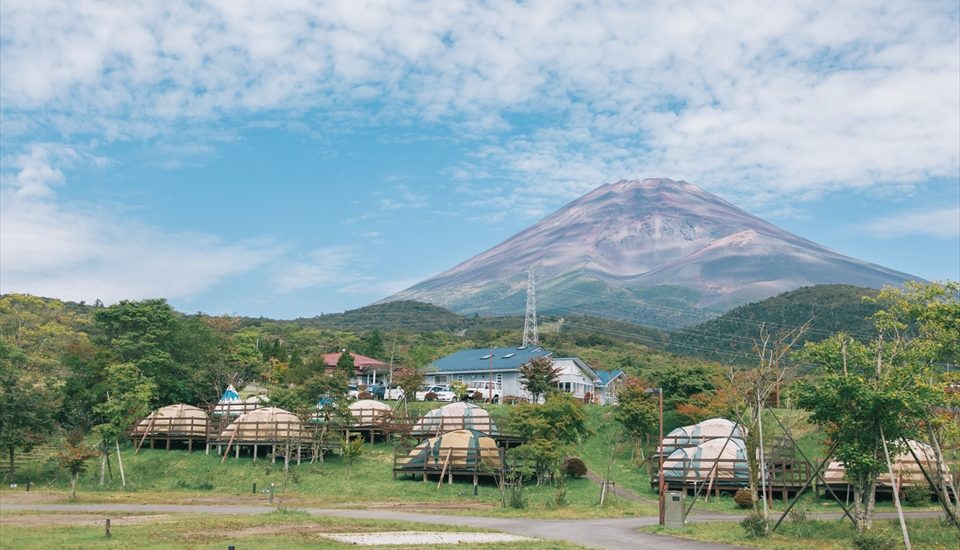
611	533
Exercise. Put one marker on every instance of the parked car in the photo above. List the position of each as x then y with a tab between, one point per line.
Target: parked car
484	390
394	392
443	393
353	392
377	390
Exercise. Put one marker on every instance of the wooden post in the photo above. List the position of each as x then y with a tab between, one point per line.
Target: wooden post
444	469
255	448
106	528
227	452
149	427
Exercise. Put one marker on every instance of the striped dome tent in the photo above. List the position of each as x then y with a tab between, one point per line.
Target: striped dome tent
695	434
455	416
467	449
265	424
689	464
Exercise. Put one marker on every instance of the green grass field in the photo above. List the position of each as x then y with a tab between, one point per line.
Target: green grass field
925	534
287	530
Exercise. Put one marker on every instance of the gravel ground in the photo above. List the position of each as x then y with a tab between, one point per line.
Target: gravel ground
420	538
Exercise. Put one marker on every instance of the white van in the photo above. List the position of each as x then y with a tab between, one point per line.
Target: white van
484	390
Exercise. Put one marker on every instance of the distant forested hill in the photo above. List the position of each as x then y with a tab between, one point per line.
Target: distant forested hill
730	337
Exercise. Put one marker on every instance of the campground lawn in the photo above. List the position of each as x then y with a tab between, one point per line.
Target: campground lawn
282	529
925	534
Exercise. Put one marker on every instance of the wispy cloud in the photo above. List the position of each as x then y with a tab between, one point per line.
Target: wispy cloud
943	223
85	252
330	266
400	197
794	99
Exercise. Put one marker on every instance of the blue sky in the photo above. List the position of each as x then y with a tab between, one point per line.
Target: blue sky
287	159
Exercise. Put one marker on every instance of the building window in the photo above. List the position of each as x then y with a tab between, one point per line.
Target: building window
440	379
459	378
499	379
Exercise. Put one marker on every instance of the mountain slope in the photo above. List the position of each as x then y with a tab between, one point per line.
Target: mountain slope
655	251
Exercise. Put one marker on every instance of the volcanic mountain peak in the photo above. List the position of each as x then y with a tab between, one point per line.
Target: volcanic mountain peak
634	235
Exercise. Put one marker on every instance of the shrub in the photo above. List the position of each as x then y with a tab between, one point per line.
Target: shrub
430	396
574	467
875	539
743	498
799	515
916	495
364	395
194	485
755	525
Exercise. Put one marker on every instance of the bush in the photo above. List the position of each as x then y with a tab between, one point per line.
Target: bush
799	515
364	395
875	539
755	525
916	495
194	485
574	467
430	396
743	498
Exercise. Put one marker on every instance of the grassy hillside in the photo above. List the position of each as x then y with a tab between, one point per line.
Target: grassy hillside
829	308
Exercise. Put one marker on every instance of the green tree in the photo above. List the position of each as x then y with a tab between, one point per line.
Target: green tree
345	365
638	413
129	394
550	429
26	406
143	333
371	344
297	369
540	377
869	393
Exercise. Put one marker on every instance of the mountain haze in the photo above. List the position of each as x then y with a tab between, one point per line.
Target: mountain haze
655	251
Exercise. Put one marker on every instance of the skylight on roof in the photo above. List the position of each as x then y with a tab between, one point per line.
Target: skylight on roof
522	347
487	356
509	355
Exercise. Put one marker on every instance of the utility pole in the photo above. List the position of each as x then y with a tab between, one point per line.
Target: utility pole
530	335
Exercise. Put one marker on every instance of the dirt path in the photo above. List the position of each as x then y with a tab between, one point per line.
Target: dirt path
622	492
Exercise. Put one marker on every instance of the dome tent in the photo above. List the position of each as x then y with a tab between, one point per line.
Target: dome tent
467	450
229	404
368	413
260	400
695	434
264	425
175	420
455	416
690	464
905	468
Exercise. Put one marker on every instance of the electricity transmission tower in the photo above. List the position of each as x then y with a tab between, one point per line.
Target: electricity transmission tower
530	335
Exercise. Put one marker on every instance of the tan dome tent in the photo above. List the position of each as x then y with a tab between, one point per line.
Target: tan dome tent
258	400
369	413
455	416
695	434
266	425
172	423
463	450
696	464
905	468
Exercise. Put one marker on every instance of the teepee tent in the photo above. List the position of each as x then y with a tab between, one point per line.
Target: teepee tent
174	420
696	464
695	434
455	416
369	413
265	425
459	450
229	404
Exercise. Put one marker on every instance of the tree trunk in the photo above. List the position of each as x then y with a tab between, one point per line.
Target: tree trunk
73	485
12	449
103	467
871	502
946	481
858	511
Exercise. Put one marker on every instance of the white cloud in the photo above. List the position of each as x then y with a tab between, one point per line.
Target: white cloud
799	99
78	252
943	223
330	266
401	197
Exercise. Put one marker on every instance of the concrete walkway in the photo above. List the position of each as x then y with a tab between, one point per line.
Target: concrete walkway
612	533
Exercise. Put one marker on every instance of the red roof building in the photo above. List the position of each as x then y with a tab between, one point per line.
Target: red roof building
366	370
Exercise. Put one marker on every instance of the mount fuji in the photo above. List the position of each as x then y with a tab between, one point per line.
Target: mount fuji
657	252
